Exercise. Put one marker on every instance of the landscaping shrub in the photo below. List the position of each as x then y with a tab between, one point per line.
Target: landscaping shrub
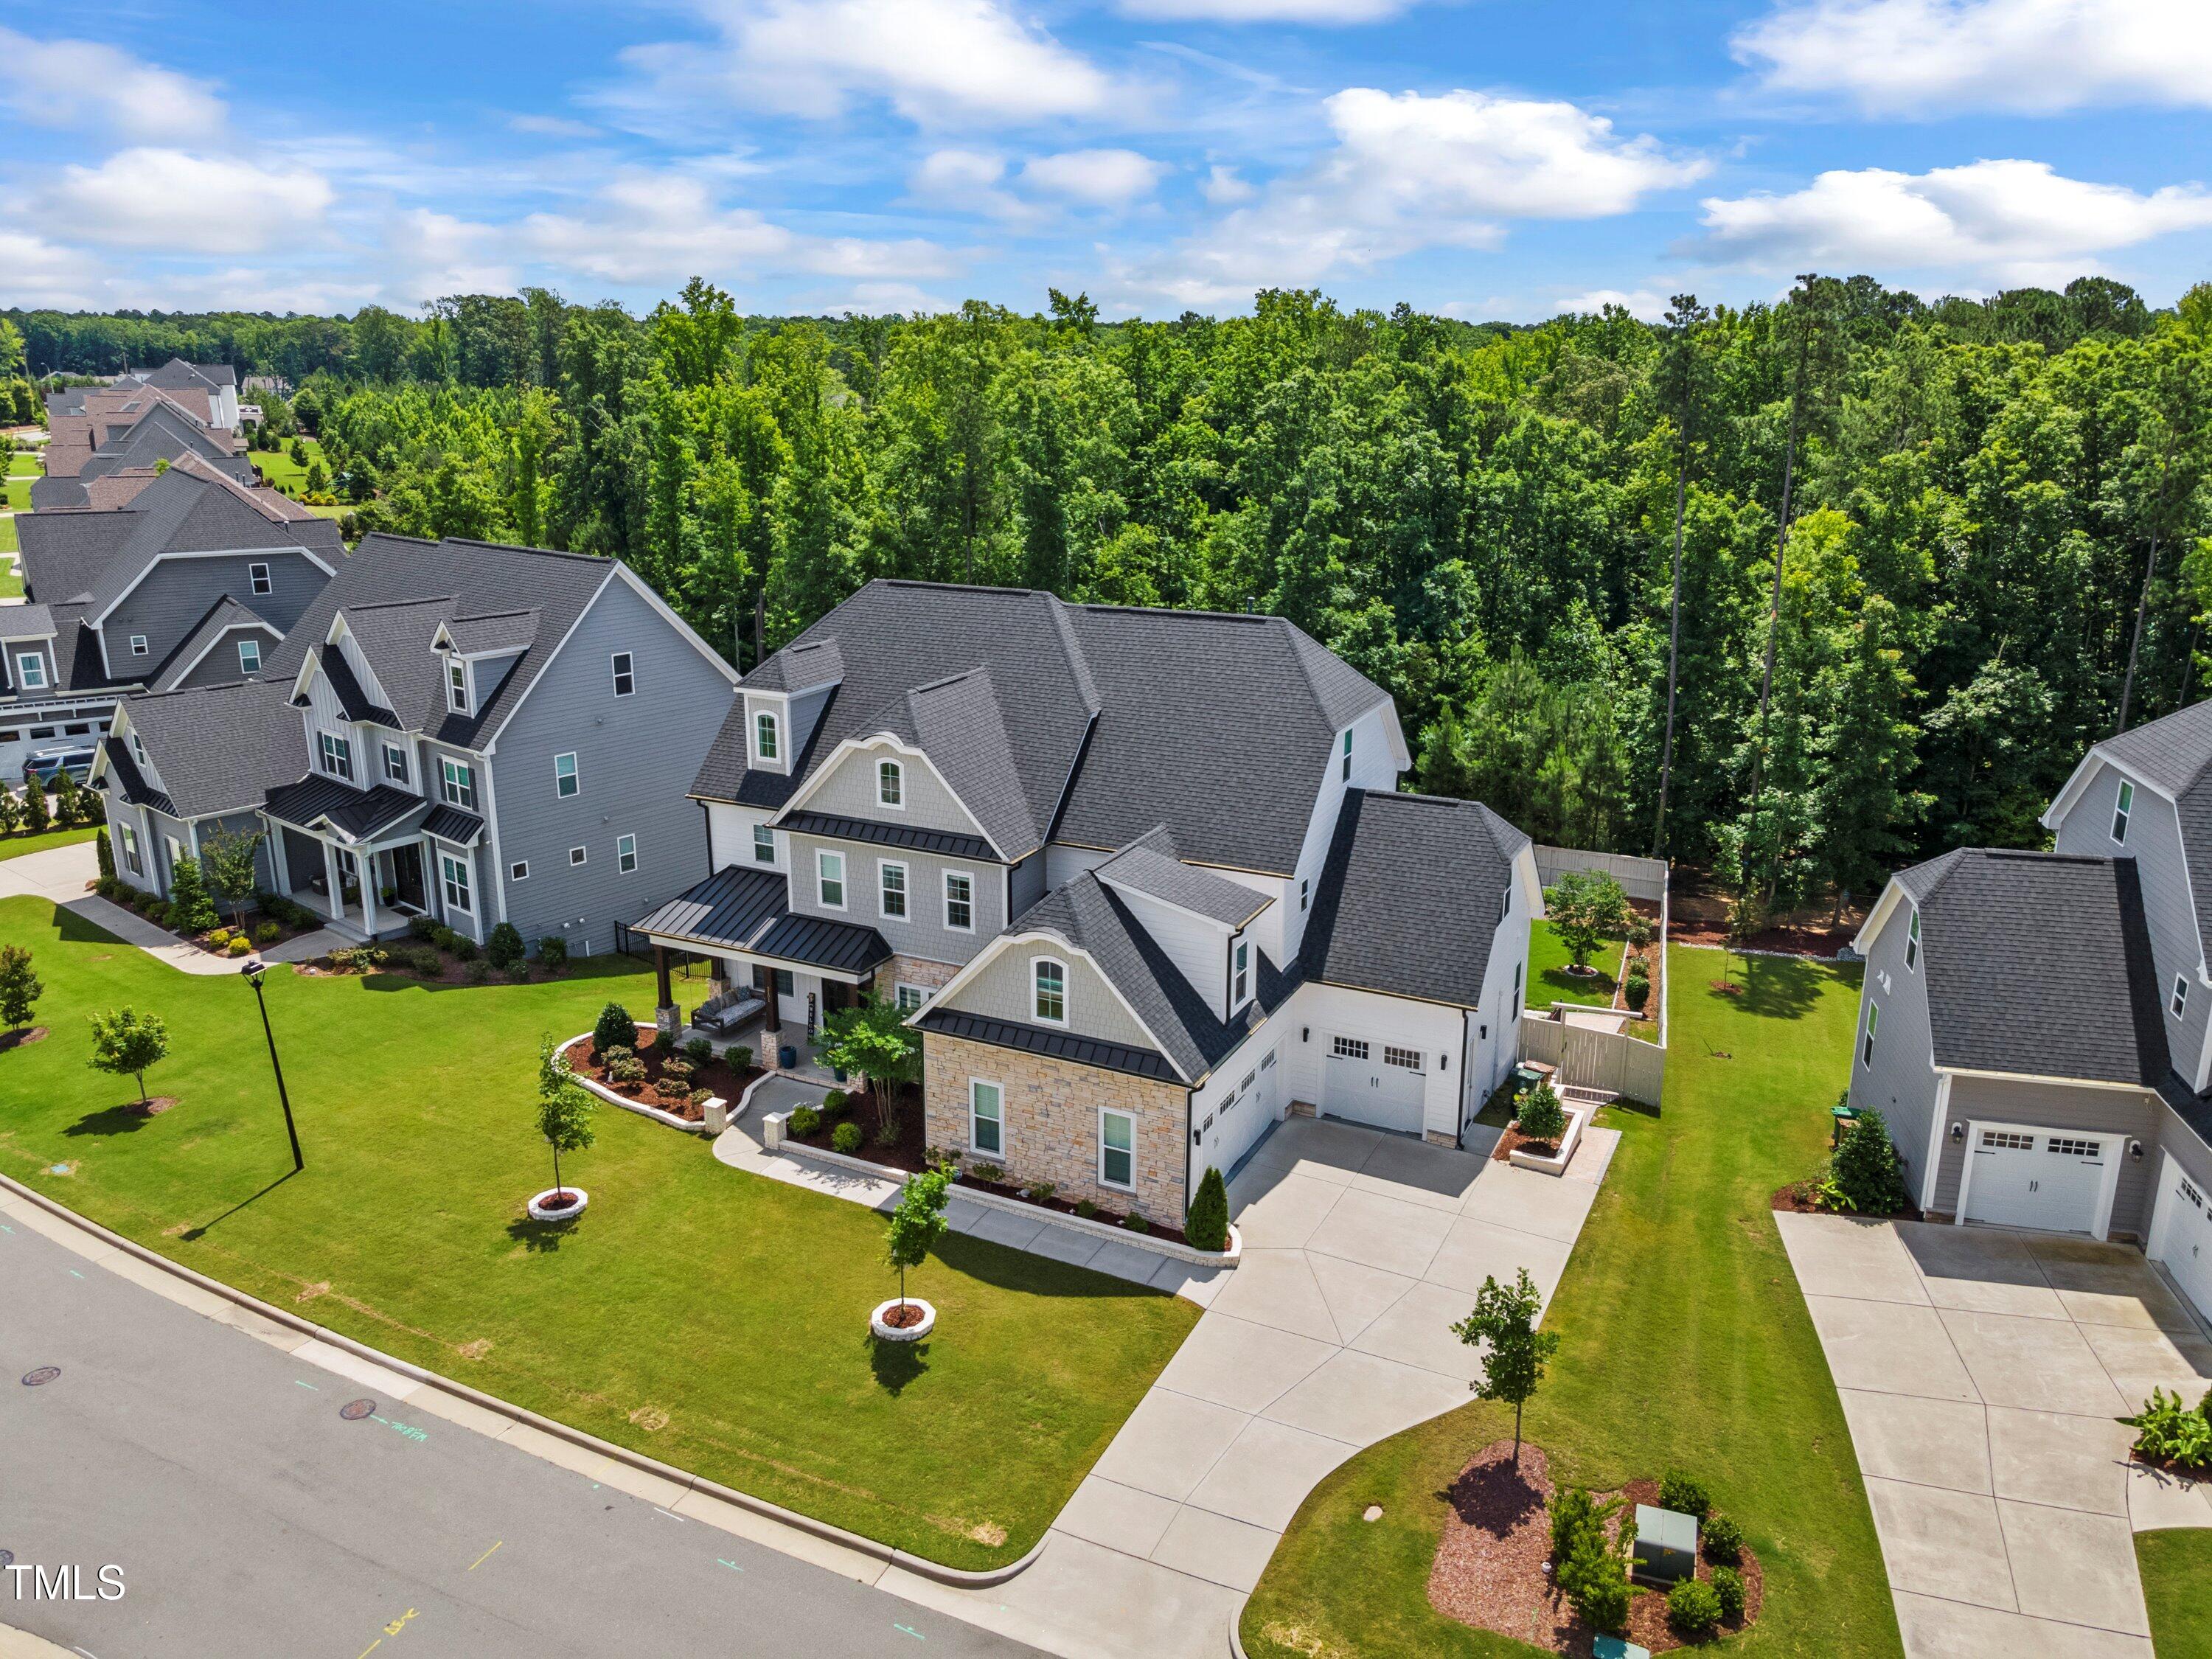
269	932
887	1131
462	947
1693	1608
105	886
422	927
740	1058
834	1102
989	1172
358	959
504	948
1590	1566
803	1121
2167	1432
1135	1223
191	909
1207	1226
519	975
701	1051
846	1138
624	1067
218	937
1864	1173
1636	993
418	959
614	1029
1727	1590
553	952
699	1098
1683	1494
676	1071
238	946
1086	1209
444	938
105	854
1640	932
1722	1539
1040	1192
480	973
157	912
1541	1116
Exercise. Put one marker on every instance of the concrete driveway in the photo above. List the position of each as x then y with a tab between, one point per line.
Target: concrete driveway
1981	1370
1360	1249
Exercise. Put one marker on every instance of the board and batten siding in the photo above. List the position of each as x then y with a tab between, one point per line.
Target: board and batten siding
176	593
2155	842
923	933
1002	990
847	790
1900	1082
633	754
2063	1107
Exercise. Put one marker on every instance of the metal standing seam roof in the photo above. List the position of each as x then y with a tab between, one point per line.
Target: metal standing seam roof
741	908
354	813
450	824
1037	1040
911	837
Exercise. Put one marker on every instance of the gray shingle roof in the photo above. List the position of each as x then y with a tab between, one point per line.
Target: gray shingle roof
506	630
2037	964
2174	755
1149	866
960	724
800	666
354	697
224	615
221	748
205	377
26	622
122	775
1409	901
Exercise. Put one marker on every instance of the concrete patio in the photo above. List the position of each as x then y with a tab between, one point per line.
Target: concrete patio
1981	1371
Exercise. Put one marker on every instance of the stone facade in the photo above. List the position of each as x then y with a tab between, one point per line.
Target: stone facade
1052	1109
932	977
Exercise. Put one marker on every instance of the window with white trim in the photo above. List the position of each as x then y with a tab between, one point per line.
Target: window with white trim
1306	891
987	1118
395	763
910	998
763	844
457	685
1912	943
829	879
2067	1146
2123	804
959	902
1347	757
457	783
890	784
31	671
2003	1141
565	781
130	848
891	889
625	853
1865	1048
767	736
519	871
1240	975
1048	990
2180	1002
249	656
1117	1151
1517	969
578	855
138	748
625	674
257	575
455	878
137	644
1344	1048
337	755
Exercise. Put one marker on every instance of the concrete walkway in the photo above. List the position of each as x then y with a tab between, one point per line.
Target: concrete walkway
1981	1370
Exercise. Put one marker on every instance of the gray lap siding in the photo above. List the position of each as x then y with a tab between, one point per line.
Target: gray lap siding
176	593
221	666
2061	1107
923	933
1901	1081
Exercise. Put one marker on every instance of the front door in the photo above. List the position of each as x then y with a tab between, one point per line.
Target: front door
407	876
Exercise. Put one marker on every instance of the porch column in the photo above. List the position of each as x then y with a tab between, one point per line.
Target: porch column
665	1015
333	878
366	859
280	869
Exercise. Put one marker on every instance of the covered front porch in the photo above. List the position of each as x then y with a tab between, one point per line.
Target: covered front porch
369	861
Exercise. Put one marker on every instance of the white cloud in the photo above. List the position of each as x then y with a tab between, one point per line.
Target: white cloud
1934	58
1267	11
1646	305
2014	220
1094	178
180	203
429	254
551	126
1224	188
84	84
35	272
967	181
941	61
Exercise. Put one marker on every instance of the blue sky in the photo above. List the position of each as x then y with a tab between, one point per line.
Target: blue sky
1478	157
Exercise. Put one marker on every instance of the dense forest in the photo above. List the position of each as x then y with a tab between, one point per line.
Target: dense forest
1891	566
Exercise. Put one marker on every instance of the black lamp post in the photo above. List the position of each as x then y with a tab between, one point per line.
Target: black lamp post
253	969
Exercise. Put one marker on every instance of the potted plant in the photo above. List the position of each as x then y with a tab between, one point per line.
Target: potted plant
564	1118
914	1230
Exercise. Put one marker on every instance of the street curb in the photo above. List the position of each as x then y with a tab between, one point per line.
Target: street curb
1236	1641
886	1554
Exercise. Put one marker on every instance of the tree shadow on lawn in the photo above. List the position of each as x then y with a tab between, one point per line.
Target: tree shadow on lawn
125	1119
540	1238
1772	987
73	929
895	1364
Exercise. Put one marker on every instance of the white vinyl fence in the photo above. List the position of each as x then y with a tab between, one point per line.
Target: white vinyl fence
1611	1060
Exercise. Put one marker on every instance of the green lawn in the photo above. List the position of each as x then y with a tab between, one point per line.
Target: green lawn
1549	982
19	494
22	464
1686	1343
709	1318
2177	1575
278	468
13	847
10	543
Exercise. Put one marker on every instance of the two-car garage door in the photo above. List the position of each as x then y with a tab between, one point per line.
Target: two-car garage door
2022	1177
1370	1081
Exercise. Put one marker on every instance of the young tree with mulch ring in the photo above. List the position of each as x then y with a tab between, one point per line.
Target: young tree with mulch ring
1585	906
916	1226
1506	1317
564	1111
20	988
125	1042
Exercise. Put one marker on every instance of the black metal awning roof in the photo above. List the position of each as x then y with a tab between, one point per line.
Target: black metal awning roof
746	909
911	837
356	814
843	947
450	823
1059	1045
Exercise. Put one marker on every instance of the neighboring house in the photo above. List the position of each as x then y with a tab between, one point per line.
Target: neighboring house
474	732
127	428
1139	875
194	581
207	391
2033	1024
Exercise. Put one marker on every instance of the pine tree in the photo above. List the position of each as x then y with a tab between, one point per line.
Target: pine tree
191	909
38	818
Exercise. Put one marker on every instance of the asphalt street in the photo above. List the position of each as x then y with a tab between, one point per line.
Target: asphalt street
249	1517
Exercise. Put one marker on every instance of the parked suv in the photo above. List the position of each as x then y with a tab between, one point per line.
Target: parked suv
47	765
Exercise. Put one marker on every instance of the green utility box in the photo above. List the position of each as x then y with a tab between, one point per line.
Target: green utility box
1666	1545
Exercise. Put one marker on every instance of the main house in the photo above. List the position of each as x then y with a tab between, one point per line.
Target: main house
1141	879
193	582
2033	1024
479	733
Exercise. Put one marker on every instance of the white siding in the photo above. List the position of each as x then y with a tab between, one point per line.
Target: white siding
730	837
1196	947
1316	1012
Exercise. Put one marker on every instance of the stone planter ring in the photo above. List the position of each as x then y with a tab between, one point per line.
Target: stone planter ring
541	1209
913	1333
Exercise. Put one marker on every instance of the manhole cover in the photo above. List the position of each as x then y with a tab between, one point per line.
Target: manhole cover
353	1410
6	1556
44	1373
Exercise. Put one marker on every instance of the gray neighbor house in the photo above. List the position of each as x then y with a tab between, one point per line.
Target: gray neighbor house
474	732
2033	1025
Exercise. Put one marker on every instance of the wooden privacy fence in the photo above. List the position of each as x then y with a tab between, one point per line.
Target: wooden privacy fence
1611	1060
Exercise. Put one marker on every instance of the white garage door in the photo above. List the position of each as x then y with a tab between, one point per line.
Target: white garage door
2032	1178
2181	1234
1227	1131
1370	1081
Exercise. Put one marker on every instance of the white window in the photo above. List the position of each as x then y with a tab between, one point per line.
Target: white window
987	1118
395	763
519	871
456	874
763	844
959	902
1347	757
249	656
577	855
138	748
130	848
31	671
911	997
1912	942
2180	994
891	889
457	685
1517	968
1048	990
1306	891
625	853
1344	1048
1240	976
258	575
564	777
890	784
1117	1151
625	674
1405	1059
1865	1049
2123	804
337	756
459	784
137	644
765	736
829	879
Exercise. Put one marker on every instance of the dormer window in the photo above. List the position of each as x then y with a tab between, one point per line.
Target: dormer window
767	736
1240	975
1048	997
2123	804
890	784
249	656
31	671
457	685
138	749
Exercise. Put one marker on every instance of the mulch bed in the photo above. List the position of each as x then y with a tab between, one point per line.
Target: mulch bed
1491	1571
1798	1199
152	1105
1513	1140
19	1039
903	1315
716	1077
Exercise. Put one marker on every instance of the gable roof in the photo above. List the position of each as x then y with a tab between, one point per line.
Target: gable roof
160	433
1149	866
2037	964
221	748
177	373
1408	903
222	617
